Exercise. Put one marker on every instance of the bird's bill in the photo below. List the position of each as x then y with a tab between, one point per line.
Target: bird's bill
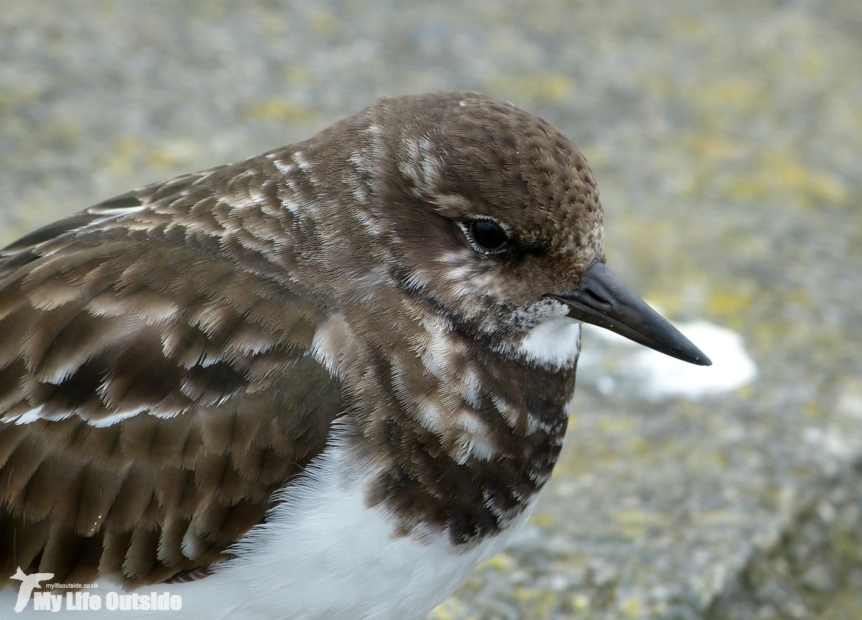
603	299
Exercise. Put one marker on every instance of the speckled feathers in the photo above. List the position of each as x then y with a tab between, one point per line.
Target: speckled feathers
173	359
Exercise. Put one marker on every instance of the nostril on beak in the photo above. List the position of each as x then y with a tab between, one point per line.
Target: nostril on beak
597	298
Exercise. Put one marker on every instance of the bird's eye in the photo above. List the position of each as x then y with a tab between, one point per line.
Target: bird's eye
488	236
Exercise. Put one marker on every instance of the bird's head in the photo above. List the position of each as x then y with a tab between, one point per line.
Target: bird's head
492	216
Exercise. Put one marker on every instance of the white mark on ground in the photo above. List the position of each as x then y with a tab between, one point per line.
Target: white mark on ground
612	363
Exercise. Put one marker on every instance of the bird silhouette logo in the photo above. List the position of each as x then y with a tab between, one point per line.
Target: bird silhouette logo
28	584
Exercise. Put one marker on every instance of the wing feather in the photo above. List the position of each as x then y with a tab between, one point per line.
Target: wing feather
154	392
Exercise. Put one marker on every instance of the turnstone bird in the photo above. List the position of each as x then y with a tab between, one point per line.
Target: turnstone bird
323	382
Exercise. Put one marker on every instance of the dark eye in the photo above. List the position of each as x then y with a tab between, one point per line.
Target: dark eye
488	235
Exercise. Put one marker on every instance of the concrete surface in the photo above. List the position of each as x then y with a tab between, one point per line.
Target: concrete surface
727	139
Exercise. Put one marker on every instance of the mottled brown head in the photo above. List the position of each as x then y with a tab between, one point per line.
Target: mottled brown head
483	207
174	358
472	156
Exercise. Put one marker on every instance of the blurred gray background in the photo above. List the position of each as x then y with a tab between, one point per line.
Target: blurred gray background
726	136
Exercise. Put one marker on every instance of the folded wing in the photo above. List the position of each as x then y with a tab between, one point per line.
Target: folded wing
154	393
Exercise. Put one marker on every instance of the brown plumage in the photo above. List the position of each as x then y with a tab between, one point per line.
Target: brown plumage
171	358
160	326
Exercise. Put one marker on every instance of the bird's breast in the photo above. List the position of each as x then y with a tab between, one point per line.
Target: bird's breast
325	553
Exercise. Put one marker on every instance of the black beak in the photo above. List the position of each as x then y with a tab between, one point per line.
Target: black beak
602	299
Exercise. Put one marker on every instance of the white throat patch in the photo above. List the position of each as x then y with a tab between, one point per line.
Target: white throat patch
554	343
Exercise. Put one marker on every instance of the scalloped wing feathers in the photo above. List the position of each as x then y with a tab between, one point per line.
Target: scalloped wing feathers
165	391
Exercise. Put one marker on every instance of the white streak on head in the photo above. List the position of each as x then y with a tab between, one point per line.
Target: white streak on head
554	343
459	257
452	202
422	166
465	277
